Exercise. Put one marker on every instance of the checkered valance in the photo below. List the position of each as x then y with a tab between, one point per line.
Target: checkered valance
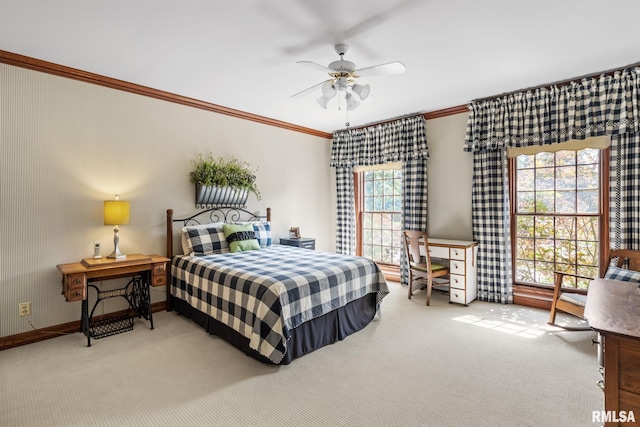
400	140
608	105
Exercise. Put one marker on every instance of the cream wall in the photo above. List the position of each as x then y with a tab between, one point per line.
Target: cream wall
449	176
66	146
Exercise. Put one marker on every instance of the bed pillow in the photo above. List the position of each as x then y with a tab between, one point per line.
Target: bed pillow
616	273
263	232
240	237
186	249
207	241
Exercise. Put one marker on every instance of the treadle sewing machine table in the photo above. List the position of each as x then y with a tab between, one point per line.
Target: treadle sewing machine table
144	271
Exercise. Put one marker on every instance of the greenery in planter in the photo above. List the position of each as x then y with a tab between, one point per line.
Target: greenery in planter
224	172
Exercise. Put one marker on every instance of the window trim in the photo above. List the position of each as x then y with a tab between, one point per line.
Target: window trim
603	244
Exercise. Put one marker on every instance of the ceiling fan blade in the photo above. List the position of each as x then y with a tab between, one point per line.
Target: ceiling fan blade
381	70
315	66
307	91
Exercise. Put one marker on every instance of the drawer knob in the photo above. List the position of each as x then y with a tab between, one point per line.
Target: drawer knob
77	281
76	293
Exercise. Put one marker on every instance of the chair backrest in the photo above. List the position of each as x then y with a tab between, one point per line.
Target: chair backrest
413	240
626	258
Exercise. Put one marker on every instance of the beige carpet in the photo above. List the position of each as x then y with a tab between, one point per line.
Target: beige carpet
444	365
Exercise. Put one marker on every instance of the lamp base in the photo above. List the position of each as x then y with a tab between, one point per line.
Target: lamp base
116	254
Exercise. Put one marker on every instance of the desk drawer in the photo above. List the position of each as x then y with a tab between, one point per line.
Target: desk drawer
439	252
457	281
457	253
457	296
456	267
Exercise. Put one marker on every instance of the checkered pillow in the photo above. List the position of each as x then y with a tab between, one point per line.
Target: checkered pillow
616	273
263	232
186	249
207	241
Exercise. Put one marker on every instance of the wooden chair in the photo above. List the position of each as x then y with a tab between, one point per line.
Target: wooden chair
420	267
573	301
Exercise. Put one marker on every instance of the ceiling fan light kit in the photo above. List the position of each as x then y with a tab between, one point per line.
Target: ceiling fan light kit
343	75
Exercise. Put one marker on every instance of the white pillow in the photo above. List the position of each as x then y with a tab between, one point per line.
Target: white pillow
186	249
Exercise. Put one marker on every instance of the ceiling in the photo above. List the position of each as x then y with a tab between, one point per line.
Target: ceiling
242	54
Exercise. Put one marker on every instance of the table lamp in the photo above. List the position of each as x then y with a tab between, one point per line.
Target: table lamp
116	213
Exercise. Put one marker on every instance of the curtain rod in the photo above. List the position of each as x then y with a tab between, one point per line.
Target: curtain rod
560	83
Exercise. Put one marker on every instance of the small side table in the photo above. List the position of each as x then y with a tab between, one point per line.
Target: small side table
143	271
301	242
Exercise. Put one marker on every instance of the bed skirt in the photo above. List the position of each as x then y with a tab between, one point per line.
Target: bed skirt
309	336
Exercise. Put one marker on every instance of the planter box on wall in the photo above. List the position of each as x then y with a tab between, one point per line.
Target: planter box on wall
221	196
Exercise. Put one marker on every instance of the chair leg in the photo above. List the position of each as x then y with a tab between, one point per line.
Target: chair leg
410	286
429	288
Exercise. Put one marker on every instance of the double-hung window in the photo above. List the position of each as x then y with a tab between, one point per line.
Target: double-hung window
557	207
379	213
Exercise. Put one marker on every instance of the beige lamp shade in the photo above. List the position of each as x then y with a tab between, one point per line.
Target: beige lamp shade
116	212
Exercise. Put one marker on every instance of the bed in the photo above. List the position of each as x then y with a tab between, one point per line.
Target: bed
274	302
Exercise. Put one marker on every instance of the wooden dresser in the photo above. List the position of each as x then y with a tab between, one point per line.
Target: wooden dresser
613	309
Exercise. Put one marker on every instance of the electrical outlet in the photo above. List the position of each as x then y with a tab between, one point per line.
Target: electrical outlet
24	308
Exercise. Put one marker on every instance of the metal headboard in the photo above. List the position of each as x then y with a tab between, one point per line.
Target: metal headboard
215	214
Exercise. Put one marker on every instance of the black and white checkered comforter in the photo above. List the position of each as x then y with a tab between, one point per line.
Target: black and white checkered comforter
264	294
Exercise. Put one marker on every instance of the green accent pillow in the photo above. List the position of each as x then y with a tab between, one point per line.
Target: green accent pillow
241	237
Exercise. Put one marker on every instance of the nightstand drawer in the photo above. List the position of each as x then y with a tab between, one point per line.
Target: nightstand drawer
75	287
302	242
308	244
159	277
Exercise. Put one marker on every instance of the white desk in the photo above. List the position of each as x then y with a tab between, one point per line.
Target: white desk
461	256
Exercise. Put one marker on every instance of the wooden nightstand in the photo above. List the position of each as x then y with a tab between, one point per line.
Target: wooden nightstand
301	242
143	271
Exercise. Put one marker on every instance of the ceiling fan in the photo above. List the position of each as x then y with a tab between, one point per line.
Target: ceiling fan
344	77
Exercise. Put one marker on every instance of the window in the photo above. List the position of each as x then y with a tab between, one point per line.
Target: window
557	219
379	213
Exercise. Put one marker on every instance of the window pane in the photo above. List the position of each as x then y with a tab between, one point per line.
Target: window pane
565	201
565	178
588	201
565	157
545	179
526	180
545	159
589	155
588	176
526	201
544	249
565	228
525	271
524	226
545	201
525	161
544	226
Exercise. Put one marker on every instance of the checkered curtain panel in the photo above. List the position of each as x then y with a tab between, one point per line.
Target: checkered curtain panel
346	220
401	140
609	105
491	226
414	203
624	192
